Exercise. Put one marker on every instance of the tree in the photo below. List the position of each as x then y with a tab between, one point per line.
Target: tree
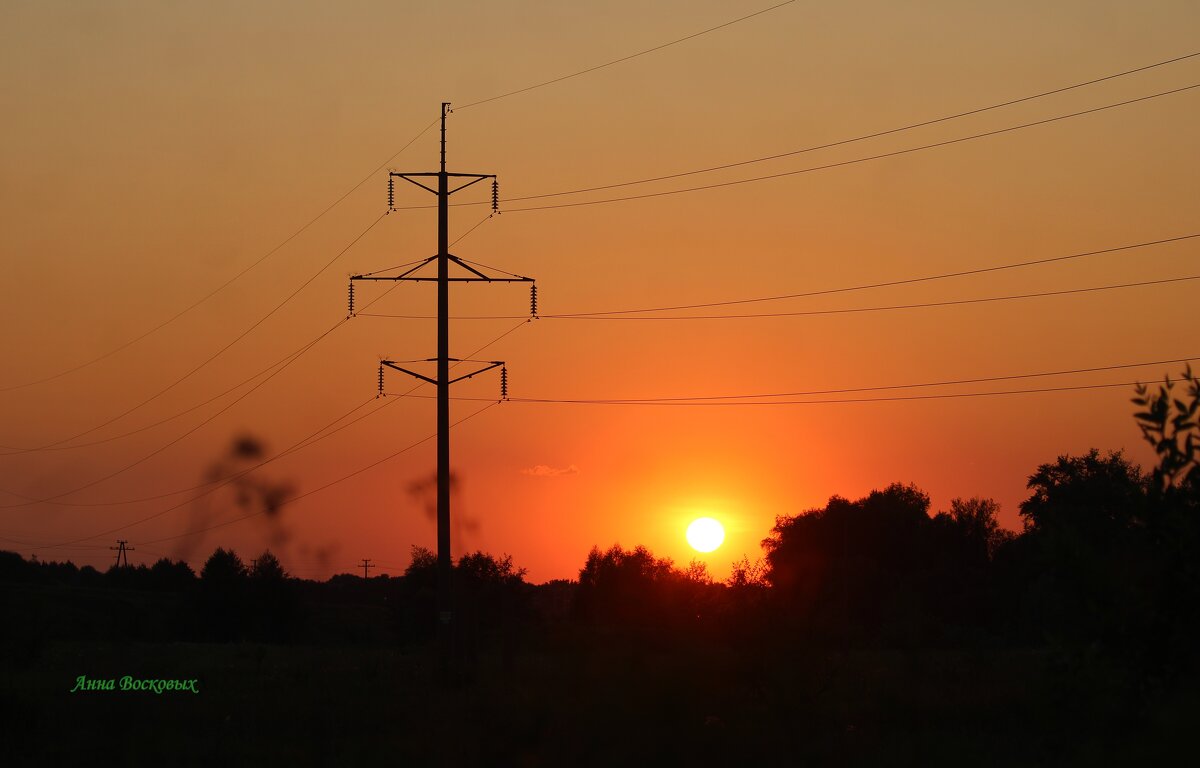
743	574
173	576
697	571
267	568
223	568
1087	496
857	566
482	568
625	586
423	559
1087	564
975	522
1170	425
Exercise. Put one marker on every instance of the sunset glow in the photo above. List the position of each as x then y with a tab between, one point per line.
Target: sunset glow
113	411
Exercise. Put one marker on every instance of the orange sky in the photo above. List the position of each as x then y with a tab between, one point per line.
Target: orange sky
153	151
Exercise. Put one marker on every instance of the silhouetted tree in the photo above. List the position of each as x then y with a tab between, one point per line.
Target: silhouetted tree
223	568
172	576
13	567
697	571
975	521
1085	561
744	574
481	568
423	566
267	568
859	568
1169	424
225	599
1085	496
489	592
966	540
128	576
626	587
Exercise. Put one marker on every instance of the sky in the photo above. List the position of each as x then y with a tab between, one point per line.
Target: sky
153	153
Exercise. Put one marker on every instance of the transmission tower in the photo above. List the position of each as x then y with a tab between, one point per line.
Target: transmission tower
366	563
442	381
121	551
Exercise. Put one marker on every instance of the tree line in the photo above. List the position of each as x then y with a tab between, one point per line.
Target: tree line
1108	554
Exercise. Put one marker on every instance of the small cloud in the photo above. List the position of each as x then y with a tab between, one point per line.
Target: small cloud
541	470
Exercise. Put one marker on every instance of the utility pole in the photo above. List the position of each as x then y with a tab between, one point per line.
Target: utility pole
443	381
121	551
366	563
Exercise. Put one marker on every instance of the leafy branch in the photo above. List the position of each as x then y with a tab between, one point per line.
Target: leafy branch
1169	424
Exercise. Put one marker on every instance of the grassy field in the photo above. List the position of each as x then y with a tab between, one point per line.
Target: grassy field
584	703
358	686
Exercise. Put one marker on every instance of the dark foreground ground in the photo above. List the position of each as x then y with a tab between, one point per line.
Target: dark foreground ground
565	696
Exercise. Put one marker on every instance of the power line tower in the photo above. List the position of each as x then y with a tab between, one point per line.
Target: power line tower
444	259
121	551
366	563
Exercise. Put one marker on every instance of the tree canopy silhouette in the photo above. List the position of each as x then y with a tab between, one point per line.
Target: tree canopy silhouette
223	568
267	568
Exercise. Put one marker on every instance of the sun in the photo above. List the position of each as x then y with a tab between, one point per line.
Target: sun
705	534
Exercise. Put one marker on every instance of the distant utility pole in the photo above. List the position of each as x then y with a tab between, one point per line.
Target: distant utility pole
366	563
121	551
443	359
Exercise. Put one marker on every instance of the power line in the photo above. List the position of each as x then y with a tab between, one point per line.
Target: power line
843	142
295	447
865	137
218	485
227	283
822	292
904	281
695	400
850	310
396	285
160	422
330	484
948	382
671	401
167	445
299	445
945	396
364	180
223	349
357	185
855	161
625	58
58	447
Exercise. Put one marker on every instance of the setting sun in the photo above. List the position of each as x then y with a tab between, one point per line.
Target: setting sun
705	534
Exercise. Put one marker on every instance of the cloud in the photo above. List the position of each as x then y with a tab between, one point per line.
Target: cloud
541	470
